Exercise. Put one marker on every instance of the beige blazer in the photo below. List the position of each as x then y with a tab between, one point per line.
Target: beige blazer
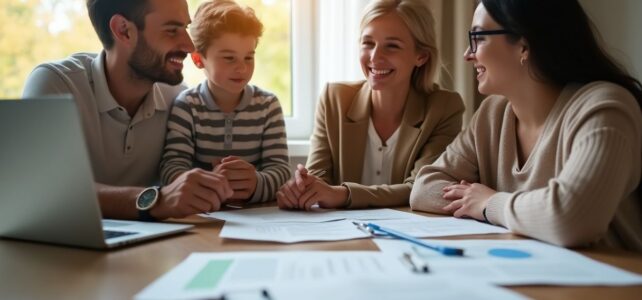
430	122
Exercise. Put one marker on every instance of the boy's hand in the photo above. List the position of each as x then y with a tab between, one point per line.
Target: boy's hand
240	174
215	165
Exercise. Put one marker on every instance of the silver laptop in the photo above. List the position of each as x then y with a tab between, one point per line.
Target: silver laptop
47	191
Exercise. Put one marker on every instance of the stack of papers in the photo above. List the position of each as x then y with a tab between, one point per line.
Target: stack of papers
276	225
318	215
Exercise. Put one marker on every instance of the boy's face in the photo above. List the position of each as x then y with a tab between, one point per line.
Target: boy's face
229	63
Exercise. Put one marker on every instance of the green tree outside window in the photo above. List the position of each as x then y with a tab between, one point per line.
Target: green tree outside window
35	31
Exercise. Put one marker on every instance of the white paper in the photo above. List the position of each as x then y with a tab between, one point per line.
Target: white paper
416	226
276	215
293	232
196	277
309	275
417	288
526	262
419	226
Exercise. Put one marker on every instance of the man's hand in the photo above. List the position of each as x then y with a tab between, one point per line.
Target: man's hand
193	192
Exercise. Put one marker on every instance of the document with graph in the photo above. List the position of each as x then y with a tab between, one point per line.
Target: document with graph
514	262
308	275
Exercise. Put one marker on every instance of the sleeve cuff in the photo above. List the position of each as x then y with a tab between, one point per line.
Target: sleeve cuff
258	192
355	200
495	208
348	202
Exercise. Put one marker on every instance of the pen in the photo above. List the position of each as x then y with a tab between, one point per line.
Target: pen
448	251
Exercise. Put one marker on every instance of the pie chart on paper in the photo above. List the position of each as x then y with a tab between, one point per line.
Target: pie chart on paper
509	253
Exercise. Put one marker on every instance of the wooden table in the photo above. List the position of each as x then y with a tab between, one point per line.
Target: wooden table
40	271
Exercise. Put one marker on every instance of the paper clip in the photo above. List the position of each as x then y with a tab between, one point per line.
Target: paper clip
417	265
228	295
364	227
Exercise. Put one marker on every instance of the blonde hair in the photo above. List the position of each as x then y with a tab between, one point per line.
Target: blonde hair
421	23
216	17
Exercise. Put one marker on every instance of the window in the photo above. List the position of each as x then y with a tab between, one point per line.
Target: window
339	35
273	63
325	39
35	31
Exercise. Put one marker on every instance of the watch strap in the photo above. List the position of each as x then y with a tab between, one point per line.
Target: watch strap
145	216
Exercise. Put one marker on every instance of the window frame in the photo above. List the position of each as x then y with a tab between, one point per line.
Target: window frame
299	125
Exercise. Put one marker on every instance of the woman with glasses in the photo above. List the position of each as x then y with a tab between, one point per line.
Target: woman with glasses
371	137
555	153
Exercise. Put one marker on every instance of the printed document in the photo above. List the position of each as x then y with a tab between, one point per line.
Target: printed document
416	288
308	275
293	232
419	226
514	262
204	275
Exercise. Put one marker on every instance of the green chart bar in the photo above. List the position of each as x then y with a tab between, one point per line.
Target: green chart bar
210	275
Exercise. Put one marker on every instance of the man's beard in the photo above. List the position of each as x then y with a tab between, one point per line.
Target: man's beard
148	64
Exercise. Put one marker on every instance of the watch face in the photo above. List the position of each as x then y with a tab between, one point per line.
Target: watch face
147	198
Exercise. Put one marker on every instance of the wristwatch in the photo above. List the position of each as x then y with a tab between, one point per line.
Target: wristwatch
145	201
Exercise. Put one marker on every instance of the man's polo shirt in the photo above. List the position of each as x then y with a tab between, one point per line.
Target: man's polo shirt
124	150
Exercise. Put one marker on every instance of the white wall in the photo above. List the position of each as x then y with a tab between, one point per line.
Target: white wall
620	25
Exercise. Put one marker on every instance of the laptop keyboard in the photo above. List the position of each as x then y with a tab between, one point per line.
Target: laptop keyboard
114	234
111	223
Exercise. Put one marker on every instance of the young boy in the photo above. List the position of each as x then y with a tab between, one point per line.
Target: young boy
225	125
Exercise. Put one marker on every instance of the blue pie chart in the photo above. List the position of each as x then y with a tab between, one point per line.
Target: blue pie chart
508	253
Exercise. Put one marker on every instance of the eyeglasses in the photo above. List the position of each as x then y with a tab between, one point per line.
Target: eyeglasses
472	36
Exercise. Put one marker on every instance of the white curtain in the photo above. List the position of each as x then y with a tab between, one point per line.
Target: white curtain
338	44
453	18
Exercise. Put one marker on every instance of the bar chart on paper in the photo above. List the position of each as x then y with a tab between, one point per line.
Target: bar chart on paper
209	276
206	275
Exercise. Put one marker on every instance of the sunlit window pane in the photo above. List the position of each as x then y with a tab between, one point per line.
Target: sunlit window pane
35	31
273	70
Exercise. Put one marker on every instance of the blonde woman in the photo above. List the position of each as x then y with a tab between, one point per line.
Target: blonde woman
371	137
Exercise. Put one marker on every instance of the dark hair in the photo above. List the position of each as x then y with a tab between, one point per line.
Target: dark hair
101	12
562	45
